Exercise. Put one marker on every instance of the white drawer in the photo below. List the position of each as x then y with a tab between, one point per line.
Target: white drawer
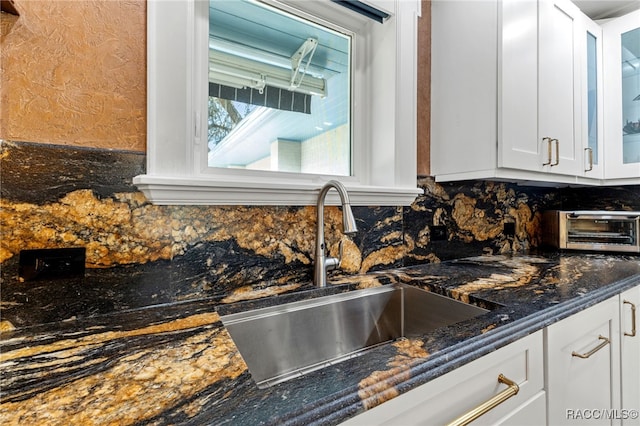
456	393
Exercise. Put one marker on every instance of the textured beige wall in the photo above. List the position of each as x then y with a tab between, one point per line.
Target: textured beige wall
73	73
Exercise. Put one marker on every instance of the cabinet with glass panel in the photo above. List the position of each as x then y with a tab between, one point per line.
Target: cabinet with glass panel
621	48
592	107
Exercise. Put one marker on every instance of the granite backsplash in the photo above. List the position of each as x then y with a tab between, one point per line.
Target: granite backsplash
139	254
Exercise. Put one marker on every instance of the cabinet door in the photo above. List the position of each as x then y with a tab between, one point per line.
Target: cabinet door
621	47
559	100
592	129
630	355
540	110
463	88
518	92
583	366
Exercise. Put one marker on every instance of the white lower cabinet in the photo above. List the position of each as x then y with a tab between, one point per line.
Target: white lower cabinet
630	357
582	370
455	394
582	354
593	364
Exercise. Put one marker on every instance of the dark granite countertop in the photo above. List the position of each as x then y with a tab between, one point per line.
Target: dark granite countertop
176	363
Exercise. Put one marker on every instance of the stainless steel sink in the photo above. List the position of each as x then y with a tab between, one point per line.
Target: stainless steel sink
289	340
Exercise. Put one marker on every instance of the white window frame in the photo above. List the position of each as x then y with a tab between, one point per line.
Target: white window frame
383	126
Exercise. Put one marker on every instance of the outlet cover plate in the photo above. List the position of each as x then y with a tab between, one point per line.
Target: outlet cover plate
40	264
438	232
509	229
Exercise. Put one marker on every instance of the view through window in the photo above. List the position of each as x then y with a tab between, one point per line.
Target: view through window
279	91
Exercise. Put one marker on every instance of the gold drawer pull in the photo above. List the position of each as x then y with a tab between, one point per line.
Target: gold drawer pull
605	342
633	319
549	154
487	406
557	152
590	156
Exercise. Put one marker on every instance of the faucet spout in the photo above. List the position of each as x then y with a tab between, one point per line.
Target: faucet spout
323	263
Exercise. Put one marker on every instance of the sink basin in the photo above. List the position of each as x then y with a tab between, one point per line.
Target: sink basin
289	340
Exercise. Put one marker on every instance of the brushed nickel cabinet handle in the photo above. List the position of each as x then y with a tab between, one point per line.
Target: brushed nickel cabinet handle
605	342
549	153
633	319
490	404
557	143
590	156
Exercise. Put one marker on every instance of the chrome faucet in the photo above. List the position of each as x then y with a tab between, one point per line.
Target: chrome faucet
322	262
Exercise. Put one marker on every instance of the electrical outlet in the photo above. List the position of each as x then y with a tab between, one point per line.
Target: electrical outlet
57	263
509	229
438	232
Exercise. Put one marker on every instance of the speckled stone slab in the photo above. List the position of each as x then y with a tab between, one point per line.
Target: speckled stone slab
177	364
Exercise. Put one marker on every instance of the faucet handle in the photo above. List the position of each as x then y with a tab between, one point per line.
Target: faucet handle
333	263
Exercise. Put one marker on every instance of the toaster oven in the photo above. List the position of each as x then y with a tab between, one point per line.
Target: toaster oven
592	230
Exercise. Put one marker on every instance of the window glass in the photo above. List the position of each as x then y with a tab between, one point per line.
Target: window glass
279	91
592	95
631	96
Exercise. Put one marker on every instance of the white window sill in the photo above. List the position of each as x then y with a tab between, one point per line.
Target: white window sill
166	190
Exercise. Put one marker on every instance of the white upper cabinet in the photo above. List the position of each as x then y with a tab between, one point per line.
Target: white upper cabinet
621	38
517	92
529	53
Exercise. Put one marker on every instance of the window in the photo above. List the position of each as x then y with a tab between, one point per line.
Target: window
193	68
